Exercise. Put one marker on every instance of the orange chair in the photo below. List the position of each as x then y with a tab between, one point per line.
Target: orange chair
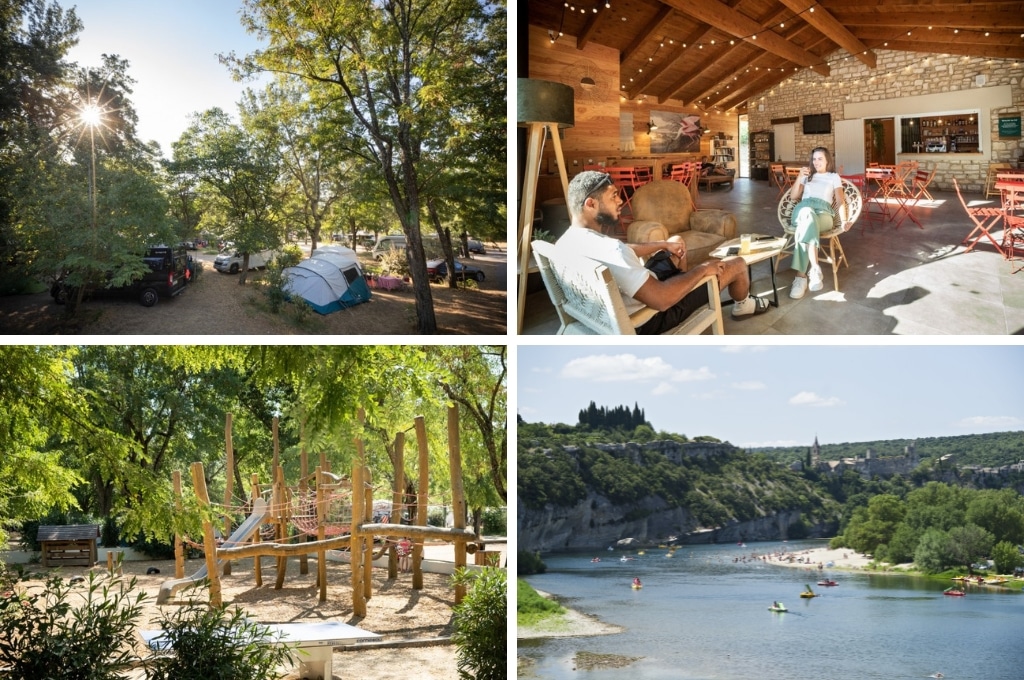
777	172
920	182
984	218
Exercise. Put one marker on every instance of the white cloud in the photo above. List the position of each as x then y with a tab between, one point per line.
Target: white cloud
629	368
812	399
663	388
991	421
749	385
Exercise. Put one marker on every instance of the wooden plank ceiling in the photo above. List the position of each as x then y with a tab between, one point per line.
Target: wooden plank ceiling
718	54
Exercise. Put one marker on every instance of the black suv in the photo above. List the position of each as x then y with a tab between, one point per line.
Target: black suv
169	272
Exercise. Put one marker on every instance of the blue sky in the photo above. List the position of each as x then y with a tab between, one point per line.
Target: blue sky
783	395
172	49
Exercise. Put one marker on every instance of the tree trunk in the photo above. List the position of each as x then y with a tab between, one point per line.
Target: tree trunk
245	269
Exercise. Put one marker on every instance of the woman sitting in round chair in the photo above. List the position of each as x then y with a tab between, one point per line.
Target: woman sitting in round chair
815	189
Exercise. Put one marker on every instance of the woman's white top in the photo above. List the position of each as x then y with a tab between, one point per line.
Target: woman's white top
823	185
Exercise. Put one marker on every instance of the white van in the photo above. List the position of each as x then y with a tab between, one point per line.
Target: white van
388	243
231	262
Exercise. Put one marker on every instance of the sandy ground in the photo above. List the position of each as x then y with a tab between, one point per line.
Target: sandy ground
817	558
216	304
395	611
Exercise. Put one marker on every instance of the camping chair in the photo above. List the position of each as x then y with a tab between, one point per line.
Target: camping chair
834	255
984	218
588	301
686	174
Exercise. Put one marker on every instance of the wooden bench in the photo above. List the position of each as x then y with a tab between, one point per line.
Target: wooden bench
68	546
710	180
315	640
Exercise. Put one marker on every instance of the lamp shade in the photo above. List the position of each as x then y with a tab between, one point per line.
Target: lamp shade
544	101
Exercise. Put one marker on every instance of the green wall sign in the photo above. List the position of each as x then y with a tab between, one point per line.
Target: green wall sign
1009	127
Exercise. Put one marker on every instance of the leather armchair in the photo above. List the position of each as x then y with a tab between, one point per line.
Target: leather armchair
664	208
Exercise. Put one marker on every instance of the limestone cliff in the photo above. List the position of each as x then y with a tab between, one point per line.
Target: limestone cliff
595	523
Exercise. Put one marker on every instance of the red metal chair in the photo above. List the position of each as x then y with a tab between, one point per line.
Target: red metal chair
1011	189
984	218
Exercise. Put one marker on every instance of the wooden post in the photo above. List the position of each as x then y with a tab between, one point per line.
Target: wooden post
368	536
321	518
396	499
280	494
458	495
303	493
209	542
421	501
179	546
356	546
229	483
257	565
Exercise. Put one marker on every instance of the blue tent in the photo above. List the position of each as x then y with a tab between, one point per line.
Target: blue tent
329	280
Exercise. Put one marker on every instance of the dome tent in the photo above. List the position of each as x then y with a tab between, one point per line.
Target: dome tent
331	279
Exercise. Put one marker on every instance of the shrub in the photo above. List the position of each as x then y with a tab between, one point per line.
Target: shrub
529	563
481	624
495	521
216	643
44	635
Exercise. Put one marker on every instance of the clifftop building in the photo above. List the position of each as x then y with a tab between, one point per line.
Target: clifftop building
869	464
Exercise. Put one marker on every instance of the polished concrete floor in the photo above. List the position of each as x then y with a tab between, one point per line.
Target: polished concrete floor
900	281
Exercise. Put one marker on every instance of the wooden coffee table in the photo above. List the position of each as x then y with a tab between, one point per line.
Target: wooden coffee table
762	247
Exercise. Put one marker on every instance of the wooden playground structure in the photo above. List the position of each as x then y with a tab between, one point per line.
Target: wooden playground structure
307	507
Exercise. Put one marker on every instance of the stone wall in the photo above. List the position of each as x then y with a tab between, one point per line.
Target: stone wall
852	89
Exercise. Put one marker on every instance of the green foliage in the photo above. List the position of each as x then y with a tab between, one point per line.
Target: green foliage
987	450
605	418
932	554
495	521
216	643
69	632
531	607
481	624
529	563
1006	557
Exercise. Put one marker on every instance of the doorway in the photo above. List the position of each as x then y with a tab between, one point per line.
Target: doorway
880	141
744	158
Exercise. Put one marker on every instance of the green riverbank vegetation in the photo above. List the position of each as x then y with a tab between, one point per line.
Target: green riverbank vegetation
533	610
937	527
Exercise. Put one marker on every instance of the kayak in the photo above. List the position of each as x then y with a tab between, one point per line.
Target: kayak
827	583
808	594
780	609
636	587
954	593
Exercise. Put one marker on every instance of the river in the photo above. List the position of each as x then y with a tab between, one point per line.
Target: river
703	613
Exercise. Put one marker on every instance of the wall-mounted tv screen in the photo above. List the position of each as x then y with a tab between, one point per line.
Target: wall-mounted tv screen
818	124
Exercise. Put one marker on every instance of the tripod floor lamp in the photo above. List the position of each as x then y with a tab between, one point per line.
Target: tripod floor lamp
543	107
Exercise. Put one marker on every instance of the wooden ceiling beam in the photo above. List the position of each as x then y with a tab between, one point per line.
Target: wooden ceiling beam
965	50
641	84
940	35
969	19
682	81
715	94
653	28
753	89
741	26
589	28
822	20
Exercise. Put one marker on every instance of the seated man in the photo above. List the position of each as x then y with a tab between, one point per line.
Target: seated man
594	203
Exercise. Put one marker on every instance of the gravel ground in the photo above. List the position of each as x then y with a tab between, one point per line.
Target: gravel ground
395	610
216	304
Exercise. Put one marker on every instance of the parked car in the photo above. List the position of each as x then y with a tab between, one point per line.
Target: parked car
231	262
386	244
476	246
437	270
170	269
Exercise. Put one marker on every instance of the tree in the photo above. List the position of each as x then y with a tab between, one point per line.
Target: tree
239	173
386	65
1006	557
969	544
932	554
999	512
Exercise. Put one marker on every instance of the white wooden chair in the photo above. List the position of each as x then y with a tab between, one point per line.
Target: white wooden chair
832	250
588	301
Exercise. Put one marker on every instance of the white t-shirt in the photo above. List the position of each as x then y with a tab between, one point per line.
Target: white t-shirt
823	185
625	266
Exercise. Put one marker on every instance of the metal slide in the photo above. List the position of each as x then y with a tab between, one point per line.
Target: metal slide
246	529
